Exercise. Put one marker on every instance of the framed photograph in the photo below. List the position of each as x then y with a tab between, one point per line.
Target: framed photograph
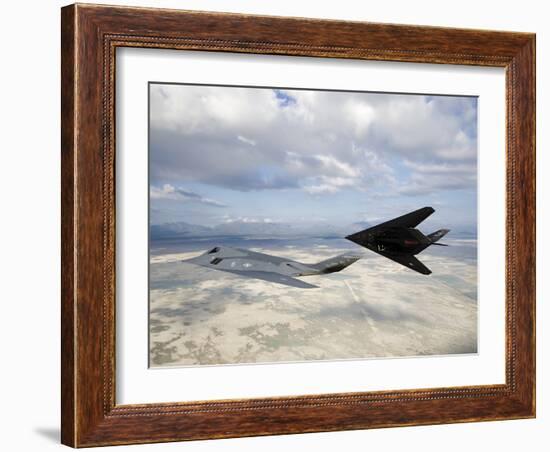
281	225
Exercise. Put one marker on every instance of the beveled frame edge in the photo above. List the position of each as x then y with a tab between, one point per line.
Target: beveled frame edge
90	35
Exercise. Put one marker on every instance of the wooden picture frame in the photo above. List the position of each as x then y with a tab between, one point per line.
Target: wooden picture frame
90	36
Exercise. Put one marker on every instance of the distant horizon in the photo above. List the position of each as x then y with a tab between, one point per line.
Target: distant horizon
182	229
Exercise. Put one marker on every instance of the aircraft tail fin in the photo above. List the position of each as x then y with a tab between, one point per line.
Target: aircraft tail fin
437	235
336	263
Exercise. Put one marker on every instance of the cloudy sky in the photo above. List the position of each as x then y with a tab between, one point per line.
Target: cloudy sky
229	154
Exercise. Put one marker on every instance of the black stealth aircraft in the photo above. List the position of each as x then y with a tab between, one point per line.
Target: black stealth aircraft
399	240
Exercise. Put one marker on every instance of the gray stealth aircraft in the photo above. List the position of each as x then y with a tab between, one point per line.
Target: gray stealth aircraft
267	267
396	239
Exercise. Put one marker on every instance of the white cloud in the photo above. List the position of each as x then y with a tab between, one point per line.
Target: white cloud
321	141
361	114
246	140
442	168
332	164
330	185
252	220
170	192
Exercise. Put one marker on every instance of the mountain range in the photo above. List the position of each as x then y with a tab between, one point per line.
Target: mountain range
183	230
256	229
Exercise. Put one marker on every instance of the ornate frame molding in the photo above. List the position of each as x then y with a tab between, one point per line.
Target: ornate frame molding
90	37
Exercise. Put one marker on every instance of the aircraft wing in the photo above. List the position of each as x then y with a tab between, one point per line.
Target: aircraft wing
409	261
272	277
409	220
